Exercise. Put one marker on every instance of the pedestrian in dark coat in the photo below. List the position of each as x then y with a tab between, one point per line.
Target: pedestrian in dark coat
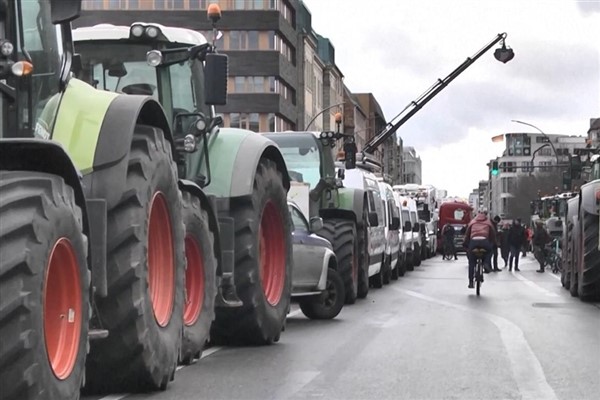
504	247
516	239
496	244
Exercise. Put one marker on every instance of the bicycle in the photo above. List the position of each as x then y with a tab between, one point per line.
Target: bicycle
554	256
479	253
448	250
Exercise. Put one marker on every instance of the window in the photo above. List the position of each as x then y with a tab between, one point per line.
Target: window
178	4
234	40
274	4
508	166
234	120
252	40
198	4
542	139
545	166
508	185
259	84
239	84
239	4
298	220
527	166
114	4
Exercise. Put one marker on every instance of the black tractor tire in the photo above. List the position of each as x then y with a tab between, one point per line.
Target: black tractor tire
417	256
565	276
200	284
386	267
341	233
42	246
395	273
261	319
363	267
145	232
589	279
377	279
328	304
401	264
410	262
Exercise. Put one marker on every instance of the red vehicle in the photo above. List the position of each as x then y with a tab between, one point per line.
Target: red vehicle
458	214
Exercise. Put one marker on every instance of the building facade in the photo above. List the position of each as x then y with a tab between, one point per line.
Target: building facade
594	132
528	153
259	37
412	166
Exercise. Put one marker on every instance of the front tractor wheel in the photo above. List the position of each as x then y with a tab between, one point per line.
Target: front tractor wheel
200	286
341	233
589	278
44	288
145	268
263	261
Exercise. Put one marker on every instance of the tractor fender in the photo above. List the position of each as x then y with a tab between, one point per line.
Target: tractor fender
234	155
111	158
96	127
206	204
588	202
43	156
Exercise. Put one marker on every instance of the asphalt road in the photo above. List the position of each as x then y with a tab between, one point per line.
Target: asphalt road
425	336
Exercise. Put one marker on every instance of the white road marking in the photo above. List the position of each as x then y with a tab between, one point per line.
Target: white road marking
527	370
115	397
295	382
534	285
294	313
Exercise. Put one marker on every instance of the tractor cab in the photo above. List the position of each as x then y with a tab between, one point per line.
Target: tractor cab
31	61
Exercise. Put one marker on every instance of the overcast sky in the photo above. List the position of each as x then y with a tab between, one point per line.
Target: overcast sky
398	49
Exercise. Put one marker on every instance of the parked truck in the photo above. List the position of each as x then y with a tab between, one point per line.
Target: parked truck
91	218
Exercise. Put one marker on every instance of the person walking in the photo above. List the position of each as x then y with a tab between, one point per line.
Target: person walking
516	241
504	247
448	247
540	239
497	243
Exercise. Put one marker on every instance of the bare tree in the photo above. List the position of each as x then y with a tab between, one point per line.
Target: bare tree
527	188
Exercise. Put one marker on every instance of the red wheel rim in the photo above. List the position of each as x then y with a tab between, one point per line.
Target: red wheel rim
194	281
272	253
161	263
62	308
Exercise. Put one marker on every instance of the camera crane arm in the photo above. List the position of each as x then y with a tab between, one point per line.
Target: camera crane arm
502	54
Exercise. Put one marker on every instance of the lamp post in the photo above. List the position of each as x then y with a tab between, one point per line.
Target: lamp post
321	112
543	134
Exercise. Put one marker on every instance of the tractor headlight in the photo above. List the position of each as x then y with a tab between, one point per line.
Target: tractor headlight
152	32
6	48
200	124
137	30
154	58
189	143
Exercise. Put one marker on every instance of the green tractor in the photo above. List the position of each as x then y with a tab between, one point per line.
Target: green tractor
581	274
319	191
233	181
92	237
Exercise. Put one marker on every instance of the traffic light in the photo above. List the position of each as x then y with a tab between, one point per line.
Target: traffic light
495	168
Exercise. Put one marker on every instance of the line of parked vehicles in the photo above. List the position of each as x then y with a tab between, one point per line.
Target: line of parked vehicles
135	227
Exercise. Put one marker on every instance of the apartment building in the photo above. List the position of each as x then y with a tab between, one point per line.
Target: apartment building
259	36
527	153
412	166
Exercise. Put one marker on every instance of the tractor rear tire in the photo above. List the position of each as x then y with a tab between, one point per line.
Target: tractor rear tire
386	268
396	271
44	288
402	261
417	256
362	289
341	233
328	304
200	279
589	278
143	311
263	264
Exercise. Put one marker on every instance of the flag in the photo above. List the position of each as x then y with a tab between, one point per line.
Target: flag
498	138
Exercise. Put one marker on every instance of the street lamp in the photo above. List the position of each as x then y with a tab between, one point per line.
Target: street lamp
321	112
543	134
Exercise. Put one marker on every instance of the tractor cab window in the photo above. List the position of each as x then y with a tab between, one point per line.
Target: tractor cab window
40	43
302	157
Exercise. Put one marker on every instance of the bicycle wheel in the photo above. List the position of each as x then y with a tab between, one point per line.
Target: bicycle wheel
478	277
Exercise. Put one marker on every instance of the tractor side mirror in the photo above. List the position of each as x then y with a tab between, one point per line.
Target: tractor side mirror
373	219
316	224
64	10
407	226
215	79
395	225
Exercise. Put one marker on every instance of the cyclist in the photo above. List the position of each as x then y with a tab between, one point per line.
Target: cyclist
480	233
448	236
540	239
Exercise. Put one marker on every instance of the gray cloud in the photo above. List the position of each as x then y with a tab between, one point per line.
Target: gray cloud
588	7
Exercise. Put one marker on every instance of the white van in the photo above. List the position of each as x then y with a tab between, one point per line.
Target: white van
392	225
361	179
411	233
